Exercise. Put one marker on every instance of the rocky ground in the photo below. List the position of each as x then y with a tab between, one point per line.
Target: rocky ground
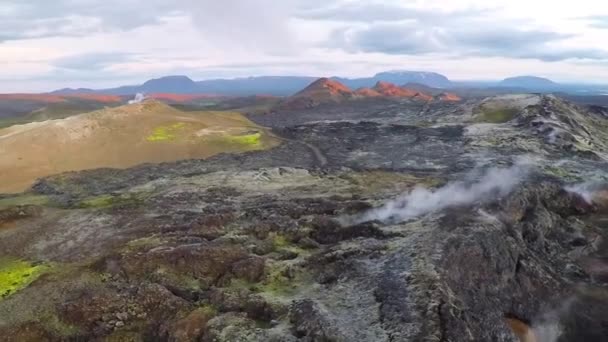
372	221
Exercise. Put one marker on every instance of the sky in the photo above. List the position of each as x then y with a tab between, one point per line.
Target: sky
46	45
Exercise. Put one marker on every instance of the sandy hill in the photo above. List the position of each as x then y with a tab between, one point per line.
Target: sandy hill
121	137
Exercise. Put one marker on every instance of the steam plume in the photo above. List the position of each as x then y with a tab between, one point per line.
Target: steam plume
139	98
586	190
495	181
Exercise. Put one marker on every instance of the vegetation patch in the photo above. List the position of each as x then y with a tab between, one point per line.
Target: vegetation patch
17	274
24	200
166	133
500	115
562	173
109	201
252	139
281	243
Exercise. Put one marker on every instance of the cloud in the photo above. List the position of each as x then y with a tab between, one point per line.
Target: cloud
251	24
91	62
599	21
135	39
363	12
459	37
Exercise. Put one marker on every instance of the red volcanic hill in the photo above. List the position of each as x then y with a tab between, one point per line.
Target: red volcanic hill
367	92
319	92
392	90
324	87
33	97
49	98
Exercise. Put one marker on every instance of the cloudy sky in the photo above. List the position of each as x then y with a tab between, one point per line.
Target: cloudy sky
46	45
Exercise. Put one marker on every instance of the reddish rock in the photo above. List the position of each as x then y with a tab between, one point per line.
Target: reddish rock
192	327
392	90
449	97
367	92
321	91
251	269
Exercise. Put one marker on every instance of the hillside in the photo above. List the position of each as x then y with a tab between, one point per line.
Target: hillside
121	137
321	91
392	90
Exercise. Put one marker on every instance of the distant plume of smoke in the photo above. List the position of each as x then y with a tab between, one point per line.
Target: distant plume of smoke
420	201
139	98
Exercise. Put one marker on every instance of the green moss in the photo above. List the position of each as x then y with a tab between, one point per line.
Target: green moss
562	173
98	202
108	201
50	321
180	280
124	336
17	274
145	242
24	200
209	310
254	139
500	115
166	133
281	281
279	241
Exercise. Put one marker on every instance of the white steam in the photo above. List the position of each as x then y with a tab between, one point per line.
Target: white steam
420	201
586	190
548	327
139	98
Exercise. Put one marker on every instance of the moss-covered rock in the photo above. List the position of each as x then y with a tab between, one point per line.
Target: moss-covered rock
17	274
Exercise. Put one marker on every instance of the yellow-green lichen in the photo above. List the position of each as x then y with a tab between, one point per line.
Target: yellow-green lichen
17	274
24	200
108	201
282	280
281	243
53	323
209	310
176	279
253	139
166	133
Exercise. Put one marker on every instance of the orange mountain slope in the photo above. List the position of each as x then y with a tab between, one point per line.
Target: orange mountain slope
367	92
319	92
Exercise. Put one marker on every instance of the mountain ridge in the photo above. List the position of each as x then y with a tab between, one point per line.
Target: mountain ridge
273	85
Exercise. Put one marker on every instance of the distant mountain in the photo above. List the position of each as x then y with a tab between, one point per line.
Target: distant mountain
429	79
70	91
267	85
529	82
